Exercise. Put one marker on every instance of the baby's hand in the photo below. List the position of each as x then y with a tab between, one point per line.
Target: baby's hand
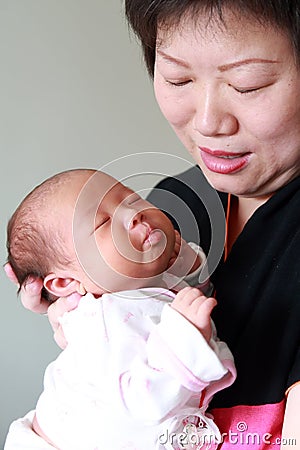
196	308
184	259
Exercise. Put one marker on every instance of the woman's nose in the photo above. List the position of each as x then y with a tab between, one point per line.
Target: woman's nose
213	115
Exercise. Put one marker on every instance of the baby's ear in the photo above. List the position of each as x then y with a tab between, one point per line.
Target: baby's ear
62	287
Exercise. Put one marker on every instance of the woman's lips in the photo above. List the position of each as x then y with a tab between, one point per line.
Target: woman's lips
219	161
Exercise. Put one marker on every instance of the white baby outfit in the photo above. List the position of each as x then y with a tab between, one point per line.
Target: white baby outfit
131	378
133	368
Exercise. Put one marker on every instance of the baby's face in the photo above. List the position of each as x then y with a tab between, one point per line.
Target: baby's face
121	240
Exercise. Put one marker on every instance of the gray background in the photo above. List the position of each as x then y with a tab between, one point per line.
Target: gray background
73	93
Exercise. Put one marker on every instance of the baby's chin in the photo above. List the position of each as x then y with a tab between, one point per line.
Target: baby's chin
147	282
143	276
157	254
147	272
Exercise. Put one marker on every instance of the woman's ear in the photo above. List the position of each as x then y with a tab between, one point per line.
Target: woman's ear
62	287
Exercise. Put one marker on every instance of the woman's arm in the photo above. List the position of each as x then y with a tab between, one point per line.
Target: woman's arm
291	428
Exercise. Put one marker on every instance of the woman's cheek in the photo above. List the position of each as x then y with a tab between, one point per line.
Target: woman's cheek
177	107
174	106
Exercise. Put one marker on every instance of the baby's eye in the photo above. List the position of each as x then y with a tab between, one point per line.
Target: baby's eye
102	222
133	198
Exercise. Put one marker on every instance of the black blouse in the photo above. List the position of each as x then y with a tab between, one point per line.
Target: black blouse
257	287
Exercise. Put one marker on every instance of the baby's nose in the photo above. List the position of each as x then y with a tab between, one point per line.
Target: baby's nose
135	219
129	216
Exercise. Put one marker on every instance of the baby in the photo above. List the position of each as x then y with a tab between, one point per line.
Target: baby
142	360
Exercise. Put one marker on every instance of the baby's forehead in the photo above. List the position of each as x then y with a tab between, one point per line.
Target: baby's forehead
99	184
93	182
90	189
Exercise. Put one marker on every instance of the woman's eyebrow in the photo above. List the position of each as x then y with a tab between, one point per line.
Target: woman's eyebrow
223	67
245	62
173	60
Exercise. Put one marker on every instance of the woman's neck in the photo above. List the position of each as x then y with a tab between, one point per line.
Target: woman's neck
240	211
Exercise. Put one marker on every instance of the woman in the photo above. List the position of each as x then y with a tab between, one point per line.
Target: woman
227	78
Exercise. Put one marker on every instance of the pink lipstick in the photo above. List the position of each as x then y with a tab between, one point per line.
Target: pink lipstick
219	161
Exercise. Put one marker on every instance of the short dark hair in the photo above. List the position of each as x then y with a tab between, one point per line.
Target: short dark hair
34	248
144	17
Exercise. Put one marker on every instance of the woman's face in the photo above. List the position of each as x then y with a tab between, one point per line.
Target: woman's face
233	98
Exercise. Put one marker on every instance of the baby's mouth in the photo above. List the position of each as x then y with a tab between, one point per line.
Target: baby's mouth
144	236
154	237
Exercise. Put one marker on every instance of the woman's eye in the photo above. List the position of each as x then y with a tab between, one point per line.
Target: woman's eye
241	90
178	83
246	91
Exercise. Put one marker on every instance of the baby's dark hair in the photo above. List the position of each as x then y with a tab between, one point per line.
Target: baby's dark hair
144	17
34	248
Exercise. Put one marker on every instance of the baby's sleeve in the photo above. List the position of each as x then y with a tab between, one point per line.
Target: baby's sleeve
178	362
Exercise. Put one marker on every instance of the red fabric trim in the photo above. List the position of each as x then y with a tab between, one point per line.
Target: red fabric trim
250	427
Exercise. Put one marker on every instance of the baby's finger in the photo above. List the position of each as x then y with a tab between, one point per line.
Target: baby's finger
183	292
177	243
208	305
188	295
172	260
177	236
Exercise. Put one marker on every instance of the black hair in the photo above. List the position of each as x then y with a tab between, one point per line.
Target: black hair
144	17
34	247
